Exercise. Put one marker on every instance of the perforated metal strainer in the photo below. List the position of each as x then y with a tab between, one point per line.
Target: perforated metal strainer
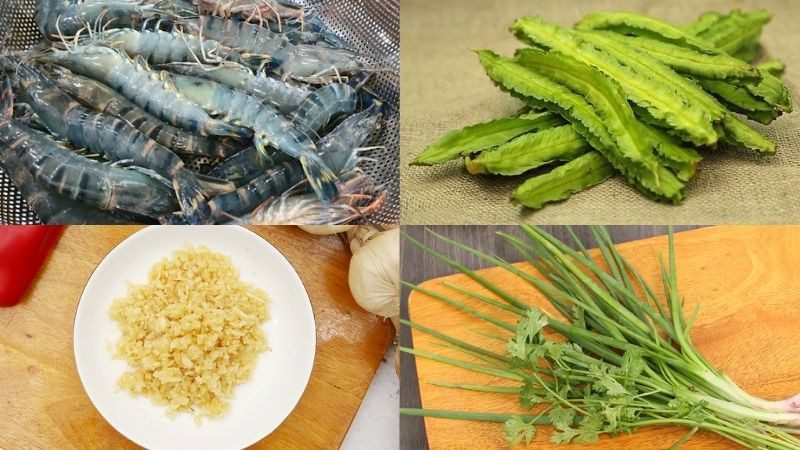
371	26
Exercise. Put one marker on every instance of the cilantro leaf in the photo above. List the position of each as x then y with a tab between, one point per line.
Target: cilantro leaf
561	418
564	436
517	430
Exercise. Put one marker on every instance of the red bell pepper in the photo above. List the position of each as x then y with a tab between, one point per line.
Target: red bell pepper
23	249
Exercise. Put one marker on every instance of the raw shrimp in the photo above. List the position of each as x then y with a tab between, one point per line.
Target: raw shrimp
310	30
357	199
312	63
275	181
106	100
251	10
57	18
78	178
50	208
247	165
269	125
161	47
339	148
284	96
109	136
324	103
151	91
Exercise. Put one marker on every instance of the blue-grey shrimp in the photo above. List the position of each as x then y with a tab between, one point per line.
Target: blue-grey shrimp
150	90
105	134
161	47
106	100
247	165
273	182
310	30
58	18
323	104
312	63
51	208
285	96
270	127
251	10
78	178
340	148
358	198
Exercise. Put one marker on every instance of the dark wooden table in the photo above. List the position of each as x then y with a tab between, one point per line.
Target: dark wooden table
416	267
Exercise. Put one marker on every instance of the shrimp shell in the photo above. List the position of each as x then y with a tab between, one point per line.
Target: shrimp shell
106	100
269	125
282	95
151	91
80	179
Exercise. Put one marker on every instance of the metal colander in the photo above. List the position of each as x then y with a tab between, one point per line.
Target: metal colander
371	26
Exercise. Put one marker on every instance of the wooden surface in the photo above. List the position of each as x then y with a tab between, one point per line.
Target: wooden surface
745	280
42	403
418	266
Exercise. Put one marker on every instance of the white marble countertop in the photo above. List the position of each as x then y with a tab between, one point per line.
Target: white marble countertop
377	423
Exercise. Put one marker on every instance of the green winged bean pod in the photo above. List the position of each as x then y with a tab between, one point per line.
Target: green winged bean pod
739	99
704	22
735	31
633	153
716	40
629	23
475	138
643	81
581	173
530	151
735	130
719	66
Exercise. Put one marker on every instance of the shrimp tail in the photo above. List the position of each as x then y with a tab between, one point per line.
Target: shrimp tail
190	197
320	177
222	128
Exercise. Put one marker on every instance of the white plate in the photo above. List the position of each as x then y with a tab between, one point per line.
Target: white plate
261	404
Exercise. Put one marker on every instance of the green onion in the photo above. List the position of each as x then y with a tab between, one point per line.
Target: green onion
627	359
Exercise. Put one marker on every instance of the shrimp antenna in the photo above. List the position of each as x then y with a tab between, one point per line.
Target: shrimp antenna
189	47
61	35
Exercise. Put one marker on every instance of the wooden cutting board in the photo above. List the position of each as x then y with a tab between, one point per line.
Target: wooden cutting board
745	279
42	402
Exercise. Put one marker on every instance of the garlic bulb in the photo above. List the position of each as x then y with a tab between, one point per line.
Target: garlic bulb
324	230
374	274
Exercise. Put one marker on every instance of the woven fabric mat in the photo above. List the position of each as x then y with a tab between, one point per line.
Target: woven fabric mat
444	87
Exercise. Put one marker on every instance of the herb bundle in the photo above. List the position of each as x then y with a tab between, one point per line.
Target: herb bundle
623	359
621	94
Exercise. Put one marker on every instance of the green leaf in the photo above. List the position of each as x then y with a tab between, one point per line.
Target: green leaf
529	328
633	364
561	418
529	397
481	136
611	386
564	436
590	428
518	430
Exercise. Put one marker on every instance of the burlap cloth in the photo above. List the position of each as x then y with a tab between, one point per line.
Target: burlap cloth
444	87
